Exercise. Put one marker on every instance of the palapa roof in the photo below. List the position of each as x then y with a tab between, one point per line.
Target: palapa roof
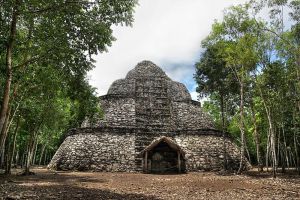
168	140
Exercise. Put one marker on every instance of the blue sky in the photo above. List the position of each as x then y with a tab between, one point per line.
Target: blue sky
184	73
167	32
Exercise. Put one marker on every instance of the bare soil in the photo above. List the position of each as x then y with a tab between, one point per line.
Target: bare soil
203	185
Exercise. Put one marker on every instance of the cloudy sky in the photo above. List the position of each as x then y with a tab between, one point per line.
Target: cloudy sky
167	32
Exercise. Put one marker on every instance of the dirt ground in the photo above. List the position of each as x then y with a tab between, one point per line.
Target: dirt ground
91	185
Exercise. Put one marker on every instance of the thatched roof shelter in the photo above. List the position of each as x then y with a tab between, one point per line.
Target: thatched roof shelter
167	140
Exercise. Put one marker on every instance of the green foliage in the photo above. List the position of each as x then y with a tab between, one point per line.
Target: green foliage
52	53
263	55
212	74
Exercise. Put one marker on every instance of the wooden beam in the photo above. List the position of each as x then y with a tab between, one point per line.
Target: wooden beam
146	161
179	162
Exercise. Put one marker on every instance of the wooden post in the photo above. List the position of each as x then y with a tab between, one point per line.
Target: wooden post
146	161
179	162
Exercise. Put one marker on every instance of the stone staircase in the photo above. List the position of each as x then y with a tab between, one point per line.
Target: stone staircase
153	112
153	104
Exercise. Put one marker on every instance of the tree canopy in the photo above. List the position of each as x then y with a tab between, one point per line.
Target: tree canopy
46	50
260	53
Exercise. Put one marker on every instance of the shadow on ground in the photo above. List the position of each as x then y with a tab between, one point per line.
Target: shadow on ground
58	178
68	192
288	175
134	186
59	186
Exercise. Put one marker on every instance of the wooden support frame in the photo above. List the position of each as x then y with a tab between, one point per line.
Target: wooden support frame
146	162
179	161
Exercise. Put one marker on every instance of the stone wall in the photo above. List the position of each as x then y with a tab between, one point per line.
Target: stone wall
189	116
205	152
94	151
119	111
178	92
122	87
152	108
119	149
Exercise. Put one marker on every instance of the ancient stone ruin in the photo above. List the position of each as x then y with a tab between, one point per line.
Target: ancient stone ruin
150	124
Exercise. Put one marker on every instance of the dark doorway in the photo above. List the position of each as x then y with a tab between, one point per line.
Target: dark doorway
162	158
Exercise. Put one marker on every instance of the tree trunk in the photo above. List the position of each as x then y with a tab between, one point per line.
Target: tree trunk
29	154
257	140
247	150
273	150
42	154
278	148
22	163
223	132
11	119
285	148
268	152
291	156
272	136
283	165
11	151
30	149
35	151
5	131
242	128
45	157
17	159
8	63
3	138
297	163
295	138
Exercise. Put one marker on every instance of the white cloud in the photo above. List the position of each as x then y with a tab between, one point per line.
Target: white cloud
167	32
194	95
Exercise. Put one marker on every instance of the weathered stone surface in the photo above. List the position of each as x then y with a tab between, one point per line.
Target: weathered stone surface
139	109
148	98
146	69
205	152
118	111
178	91
122	87
100	152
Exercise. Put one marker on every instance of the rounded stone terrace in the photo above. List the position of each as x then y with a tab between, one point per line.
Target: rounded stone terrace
148	98
147	70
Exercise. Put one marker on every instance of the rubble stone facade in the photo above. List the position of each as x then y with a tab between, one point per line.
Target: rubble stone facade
138	110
